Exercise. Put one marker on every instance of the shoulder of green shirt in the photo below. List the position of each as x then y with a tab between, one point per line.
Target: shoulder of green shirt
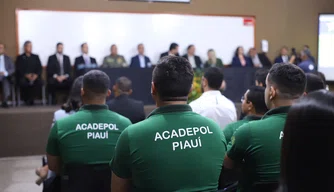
121	118
73	117
231	128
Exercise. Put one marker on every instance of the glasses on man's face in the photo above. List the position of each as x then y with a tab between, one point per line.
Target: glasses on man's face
242	99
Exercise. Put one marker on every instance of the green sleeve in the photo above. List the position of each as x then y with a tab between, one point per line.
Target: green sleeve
121	162
52	147
228	132
240	143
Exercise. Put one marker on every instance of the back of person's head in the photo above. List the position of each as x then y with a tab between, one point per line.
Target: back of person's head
255	95
124	85
287	81
96	84
172	79
173	46
308	144
321	75
214	78
260	77
74	101
314	83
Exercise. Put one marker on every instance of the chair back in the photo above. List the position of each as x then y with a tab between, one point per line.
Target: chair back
266	187
87	178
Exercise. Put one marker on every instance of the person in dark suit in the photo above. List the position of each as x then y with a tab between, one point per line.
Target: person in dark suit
122	104
283	57
240	59
140	60
259	59
173	50
7	69
58	72
193	59
84	62
28	71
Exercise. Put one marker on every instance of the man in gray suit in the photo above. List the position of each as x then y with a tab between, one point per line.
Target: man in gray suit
7	69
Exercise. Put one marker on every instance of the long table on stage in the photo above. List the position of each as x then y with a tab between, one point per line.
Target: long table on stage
238	80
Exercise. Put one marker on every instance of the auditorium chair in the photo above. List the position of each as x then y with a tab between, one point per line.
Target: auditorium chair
12	89
19	101
87	178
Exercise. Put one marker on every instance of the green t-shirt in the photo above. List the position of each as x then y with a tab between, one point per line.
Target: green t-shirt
230	129
174	149
257	147
88	136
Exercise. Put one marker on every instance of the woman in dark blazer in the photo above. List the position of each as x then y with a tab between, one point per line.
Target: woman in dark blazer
240	59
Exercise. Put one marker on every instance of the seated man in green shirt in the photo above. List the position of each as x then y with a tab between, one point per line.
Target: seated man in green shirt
174	149
114	60
257	144
89	136
253	106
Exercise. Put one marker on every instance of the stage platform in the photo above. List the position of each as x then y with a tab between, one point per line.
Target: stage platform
24	130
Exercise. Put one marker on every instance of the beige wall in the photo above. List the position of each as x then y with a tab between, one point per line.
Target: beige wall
282	22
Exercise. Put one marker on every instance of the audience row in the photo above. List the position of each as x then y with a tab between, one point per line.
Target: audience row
202	137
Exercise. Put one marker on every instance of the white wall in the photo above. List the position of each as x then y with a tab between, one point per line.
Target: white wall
326	46
155	31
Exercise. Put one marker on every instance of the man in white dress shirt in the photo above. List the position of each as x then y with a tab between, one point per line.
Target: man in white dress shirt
140	60
212	103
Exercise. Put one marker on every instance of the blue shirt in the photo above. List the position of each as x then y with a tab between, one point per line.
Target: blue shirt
307	66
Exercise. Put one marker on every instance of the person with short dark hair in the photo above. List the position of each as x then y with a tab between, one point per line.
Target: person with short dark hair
84	62
256	145
323	77
213	61
212	103
260	77
59	72
253	106
309	123
240	59
28	72
173	51
260	80
123	104
7	69
114	60
313	83
307	65
140	60
89	136
193	59
163	152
